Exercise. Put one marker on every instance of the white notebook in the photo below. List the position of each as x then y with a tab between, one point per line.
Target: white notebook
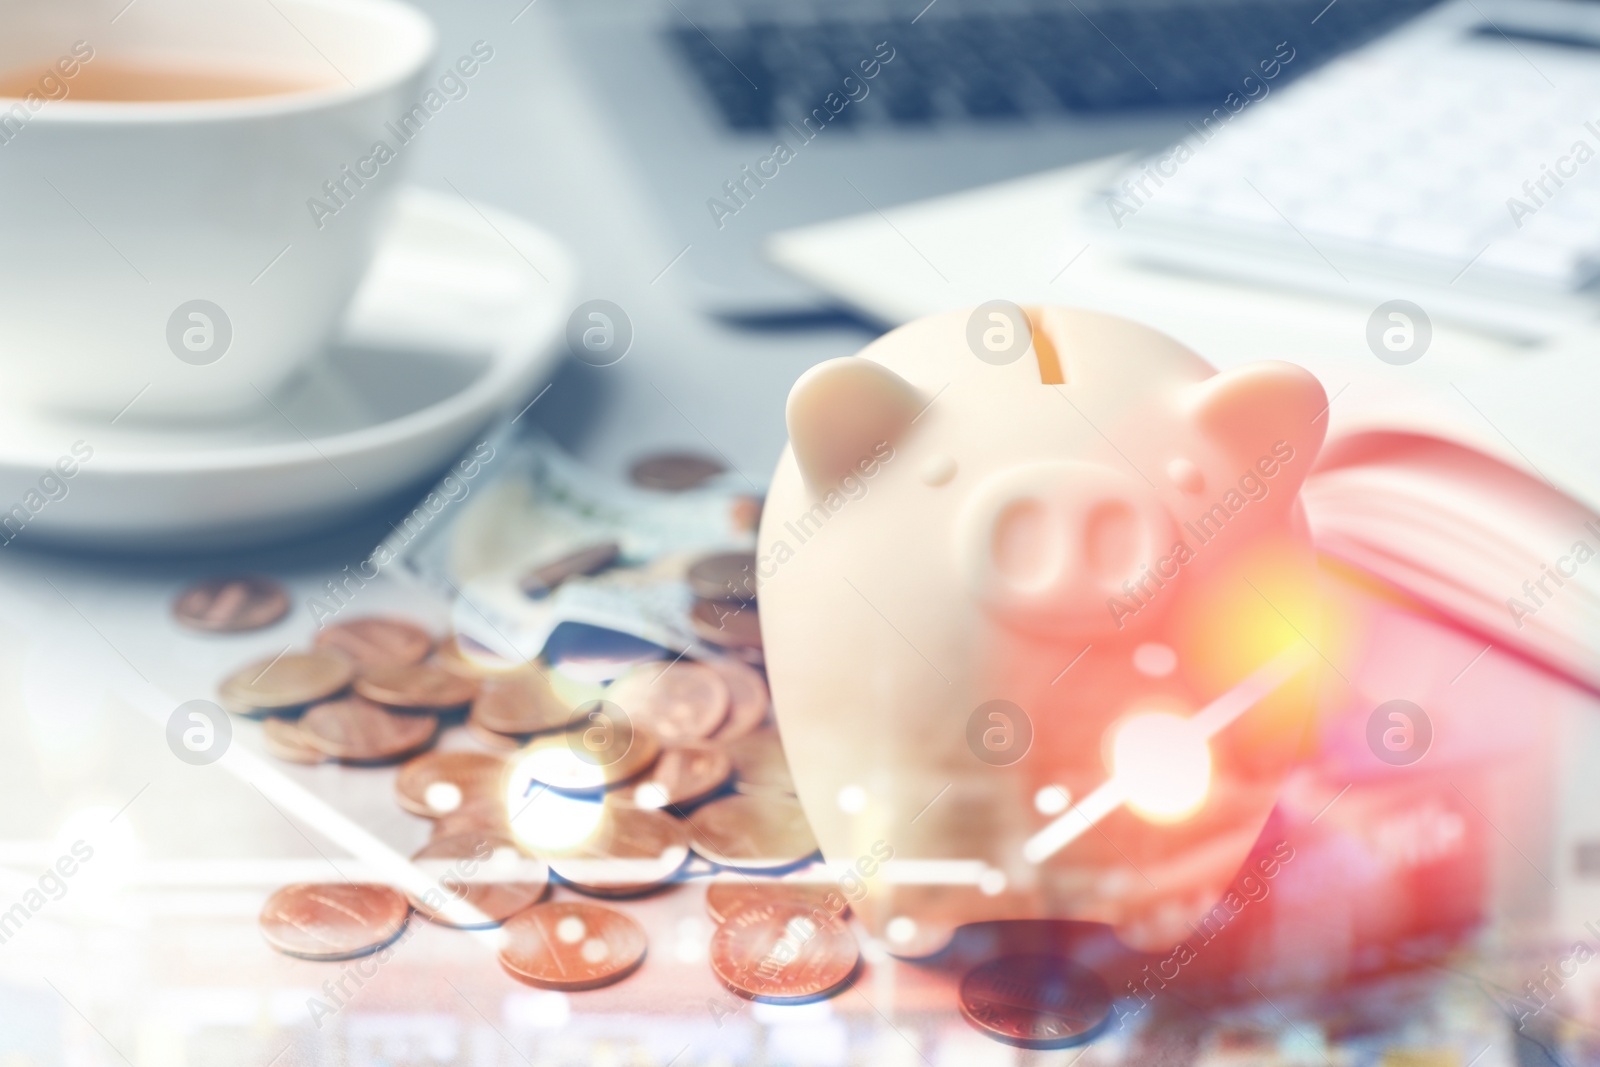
1457	477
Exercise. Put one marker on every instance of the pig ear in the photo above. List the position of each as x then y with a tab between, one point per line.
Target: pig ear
1250	409
840	411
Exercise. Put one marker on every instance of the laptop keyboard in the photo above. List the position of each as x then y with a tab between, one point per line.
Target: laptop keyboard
761	73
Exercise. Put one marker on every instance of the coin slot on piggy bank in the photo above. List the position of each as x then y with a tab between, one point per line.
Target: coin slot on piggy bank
1107	539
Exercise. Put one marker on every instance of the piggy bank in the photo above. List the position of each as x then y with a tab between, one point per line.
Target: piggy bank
1040	625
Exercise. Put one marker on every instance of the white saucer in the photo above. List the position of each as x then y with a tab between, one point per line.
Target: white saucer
458	319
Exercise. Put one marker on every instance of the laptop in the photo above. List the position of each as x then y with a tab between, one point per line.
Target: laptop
752	116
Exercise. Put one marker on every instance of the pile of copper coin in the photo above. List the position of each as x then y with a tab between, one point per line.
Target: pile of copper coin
704	776
724	612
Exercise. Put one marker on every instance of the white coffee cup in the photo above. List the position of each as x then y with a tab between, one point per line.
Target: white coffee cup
167	258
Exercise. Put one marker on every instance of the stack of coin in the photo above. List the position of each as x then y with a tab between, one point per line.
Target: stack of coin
365	693
724	612
677	701
683	776
416	688
718	700
286	684
759	764
603	754
354	730
670	732
461	655
513	705
687	762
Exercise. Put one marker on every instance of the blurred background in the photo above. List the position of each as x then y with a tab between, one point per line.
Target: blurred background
1393	193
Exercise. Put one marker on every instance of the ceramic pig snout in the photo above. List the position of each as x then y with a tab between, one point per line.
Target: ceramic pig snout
1044	545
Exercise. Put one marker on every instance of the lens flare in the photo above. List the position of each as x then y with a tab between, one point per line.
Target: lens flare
544	820
1163	764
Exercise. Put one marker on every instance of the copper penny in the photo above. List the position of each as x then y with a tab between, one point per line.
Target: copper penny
416	686
520	702
287	681
437	783
631	852
749	701
1035	1002
377	642
547	576
759	764
728	625
683	775
572	945
464	656
677	701
282	738
752	833
356	730
673	472
727	898
755	655
231	605
479	816
784	952
503	742
604	751
728	576
480	879
333	921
